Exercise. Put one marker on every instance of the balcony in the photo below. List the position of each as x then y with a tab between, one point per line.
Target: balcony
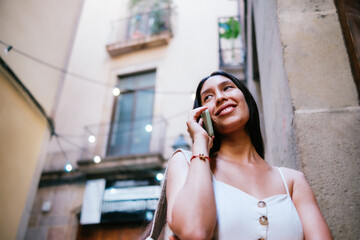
231	49
124	156
141	31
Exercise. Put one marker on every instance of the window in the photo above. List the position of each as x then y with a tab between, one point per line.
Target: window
132	118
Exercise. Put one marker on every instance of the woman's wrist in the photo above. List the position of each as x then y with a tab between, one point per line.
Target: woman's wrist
200	146
201	156
201	138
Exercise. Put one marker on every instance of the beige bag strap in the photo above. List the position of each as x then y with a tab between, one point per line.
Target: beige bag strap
159	220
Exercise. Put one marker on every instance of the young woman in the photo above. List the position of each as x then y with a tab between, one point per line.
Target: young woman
224	189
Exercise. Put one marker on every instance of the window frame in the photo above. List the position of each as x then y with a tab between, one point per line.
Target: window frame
115	102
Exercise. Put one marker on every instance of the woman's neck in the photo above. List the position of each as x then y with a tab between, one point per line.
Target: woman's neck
238	147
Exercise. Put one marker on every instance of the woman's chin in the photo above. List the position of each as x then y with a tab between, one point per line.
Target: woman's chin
229	130
228	127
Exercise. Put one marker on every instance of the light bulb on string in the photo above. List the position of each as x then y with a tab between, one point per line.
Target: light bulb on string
148	128
149	216
116	91
68	167
8	49
97	159
159	177
91	139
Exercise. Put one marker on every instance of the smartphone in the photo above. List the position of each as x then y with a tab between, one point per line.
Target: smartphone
205	115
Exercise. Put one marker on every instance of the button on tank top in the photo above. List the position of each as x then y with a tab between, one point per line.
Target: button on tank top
242	216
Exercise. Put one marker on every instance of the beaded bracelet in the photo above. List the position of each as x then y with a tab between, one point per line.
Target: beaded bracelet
201	156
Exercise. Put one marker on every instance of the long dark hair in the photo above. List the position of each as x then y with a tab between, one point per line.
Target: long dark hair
252	126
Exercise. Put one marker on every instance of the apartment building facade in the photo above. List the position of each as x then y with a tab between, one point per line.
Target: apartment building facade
121	115
117	79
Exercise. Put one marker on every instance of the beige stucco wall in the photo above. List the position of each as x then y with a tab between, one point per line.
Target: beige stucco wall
43	30
311	109
22	133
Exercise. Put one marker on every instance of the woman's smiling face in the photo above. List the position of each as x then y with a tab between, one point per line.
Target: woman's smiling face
226	103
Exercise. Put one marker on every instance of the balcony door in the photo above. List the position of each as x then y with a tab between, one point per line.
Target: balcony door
132	117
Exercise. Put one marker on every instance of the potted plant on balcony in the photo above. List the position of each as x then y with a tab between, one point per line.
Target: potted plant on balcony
156	20
230	30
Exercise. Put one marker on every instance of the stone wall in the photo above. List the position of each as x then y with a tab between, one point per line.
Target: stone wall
276	99
310	103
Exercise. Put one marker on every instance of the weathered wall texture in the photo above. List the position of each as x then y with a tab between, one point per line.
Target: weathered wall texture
61	222
276	100
327	115
312	115
328	144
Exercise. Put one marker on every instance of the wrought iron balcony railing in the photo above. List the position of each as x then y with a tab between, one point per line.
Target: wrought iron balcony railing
114	140
143	30
134	147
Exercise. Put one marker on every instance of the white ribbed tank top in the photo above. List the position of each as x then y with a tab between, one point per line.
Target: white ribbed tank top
242	216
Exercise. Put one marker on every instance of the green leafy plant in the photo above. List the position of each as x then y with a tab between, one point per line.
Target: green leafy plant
230	29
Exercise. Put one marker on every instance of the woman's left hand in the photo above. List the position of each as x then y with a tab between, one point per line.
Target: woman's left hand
195	129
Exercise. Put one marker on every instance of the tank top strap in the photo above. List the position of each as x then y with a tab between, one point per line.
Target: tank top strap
284	181
187	154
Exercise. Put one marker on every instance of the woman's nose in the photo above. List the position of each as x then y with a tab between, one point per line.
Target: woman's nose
220	97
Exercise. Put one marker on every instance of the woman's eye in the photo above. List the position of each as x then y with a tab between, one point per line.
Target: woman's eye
228	87
206	97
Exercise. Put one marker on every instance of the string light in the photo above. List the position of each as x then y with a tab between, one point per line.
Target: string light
65	138
149	216
148	128
91	139
97	159
130	129
116	91
65	71
68	167
8	49
159	177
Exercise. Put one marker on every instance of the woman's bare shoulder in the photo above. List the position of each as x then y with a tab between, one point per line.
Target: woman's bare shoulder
292	173
178	163
294	176
179	156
